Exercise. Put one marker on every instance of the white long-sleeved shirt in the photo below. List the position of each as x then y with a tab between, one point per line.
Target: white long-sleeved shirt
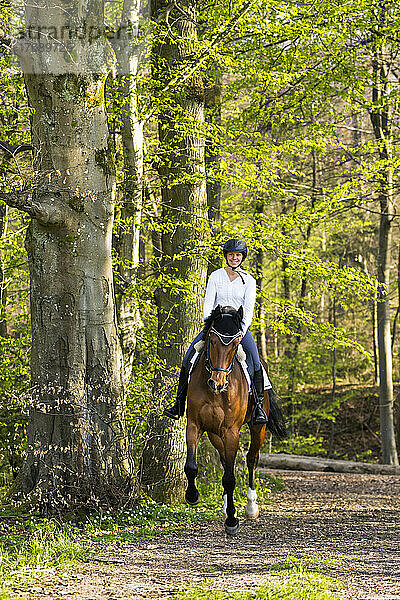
221	290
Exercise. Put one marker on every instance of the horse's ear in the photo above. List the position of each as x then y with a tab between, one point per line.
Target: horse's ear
239	314
217	311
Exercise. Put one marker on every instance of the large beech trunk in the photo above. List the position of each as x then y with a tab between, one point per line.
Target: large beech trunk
184	266
127	55
76	449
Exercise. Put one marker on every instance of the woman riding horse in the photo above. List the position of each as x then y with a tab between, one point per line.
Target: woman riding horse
228	286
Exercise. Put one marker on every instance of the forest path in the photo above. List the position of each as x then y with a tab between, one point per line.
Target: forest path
318	517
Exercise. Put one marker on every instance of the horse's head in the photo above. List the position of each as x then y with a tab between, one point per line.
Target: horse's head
223	338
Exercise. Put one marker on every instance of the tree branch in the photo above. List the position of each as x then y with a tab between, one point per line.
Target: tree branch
12	150
198	61
48	211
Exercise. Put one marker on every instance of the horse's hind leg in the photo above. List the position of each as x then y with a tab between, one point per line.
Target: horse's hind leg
257	440
193	435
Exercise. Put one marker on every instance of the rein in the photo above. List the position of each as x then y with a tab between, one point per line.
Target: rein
225	340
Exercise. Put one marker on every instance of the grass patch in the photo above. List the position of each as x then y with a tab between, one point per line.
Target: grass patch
148	519
30	547
33	547
296	581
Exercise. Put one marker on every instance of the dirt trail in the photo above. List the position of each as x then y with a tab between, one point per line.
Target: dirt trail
319	515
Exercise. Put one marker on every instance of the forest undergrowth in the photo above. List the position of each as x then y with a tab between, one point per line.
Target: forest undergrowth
349	431
33	546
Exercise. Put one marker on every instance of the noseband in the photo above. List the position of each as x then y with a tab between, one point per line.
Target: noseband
225	341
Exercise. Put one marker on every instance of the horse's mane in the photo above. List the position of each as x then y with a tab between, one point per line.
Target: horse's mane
224	326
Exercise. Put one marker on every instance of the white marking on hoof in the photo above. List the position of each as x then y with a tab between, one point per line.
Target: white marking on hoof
232	530
252	510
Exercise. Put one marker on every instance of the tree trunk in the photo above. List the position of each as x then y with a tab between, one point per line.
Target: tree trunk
394	328
76	450
333	391
131	213
380	119
184	267
3	289
389	451
213	160
327	465
375	340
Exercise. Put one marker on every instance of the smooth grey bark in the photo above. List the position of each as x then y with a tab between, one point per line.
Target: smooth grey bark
127	54
213	92
388	440
76	450
394	328
381	122
374	320
333	390
183	264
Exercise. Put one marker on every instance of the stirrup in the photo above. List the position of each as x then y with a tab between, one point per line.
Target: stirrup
173	412
261	418
168	413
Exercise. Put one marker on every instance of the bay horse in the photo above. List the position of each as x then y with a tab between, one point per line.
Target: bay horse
218	403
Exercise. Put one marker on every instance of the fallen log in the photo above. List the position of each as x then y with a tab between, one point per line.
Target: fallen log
312	463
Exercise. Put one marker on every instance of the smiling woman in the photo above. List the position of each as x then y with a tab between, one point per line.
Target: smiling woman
234	259
234	287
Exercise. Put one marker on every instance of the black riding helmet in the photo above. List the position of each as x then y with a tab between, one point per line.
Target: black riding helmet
235	245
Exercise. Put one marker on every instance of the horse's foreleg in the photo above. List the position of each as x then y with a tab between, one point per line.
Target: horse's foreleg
219	446
229	482
193	434
257	440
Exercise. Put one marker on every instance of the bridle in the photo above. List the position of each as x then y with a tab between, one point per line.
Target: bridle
225	341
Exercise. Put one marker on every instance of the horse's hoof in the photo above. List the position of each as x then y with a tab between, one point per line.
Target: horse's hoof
195	503
253	515
192	502
232	529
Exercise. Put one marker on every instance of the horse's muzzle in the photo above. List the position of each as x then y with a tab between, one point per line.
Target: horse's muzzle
217	388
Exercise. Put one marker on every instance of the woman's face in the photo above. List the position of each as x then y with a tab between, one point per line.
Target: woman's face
234	258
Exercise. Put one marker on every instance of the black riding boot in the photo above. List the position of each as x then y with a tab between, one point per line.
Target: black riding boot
178	409
258	416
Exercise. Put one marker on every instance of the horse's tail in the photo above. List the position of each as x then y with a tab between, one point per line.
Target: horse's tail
276	422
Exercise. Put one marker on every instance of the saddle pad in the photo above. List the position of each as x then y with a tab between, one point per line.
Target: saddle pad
241	358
